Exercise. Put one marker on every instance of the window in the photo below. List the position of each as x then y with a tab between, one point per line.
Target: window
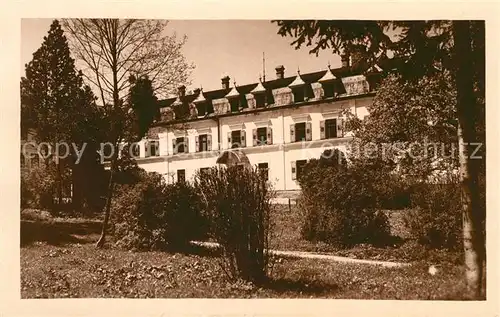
202	143
154	148
181	175
329	90
136	151
204	170
264	170
260	100
236	139
300	132
330	128
151	148
202	109
298	94
180	145
235	104
262	136
298	168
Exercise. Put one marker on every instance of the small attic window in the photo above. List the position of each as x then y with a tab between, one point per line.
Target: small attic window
328	83
329	90
201	103
235	104
260	100
298	94
202	109
259	93
234	99
298	88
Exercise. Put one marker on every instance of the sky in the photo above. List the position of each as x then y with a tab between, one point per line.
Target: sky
217	48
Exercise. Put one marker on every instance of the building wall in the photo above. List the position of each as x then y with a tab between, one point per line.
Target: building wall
279	156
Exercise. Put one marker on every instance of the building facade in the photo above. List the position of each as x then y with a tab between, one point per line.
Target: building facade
279	124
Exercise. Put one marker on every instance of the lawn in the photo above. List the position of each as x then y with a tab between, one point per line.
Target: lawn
286	236
58	259
81	270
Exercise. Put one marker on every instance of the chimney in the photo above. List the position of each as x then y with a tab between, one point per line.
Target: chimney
344	58
225	82
181	91
280	72
196	91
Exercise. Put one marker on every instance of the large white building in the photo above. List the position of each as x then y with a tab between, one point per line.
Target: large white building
279	124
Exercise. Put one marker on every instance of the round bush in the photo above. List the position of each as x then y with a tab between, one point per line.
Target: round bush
340	203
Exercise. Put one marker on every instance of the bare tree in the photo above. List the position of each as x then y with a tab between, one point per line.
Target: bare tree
112	50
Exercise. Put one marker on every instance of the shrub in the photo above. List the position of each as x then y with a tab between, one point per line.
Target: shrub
38	185
135	213
340	204
238	200
183	217
151	215
436	220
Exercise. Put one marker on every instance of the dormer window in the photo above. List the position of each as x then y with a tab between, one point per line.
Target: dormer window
234	99
201	104
328	83
298	89
260	95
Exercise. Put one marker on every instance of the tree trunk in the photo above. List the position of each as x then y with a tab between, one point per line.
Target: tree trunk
107	207
467	111
59	185
76	196
115	127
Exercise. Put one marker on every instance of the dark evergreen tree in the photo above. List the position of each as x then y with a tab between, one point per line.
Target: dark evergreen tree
57	105
144	104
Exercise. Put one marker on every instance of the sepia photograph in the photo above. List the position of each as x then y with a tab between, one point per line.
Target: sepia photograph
238	159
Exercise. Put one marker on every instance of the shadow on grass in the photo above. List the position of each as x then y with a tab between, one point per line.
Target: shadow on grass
302	286
57	233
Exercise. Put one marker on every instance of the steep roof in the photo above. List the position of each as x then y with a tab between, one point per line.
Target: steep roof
335	76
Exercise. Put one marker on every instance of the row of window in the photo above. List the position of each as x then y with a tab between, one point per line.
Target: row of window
297	170
263	168
302	131
262	100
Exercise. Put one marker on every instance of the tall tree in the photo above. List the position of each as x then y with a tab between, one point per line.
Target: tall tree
426	48
54	101
415	122
112	50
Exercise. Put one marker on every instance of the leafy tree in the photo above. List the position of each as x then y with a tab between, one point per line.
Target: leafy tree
54	100
425	48
113	50
415	122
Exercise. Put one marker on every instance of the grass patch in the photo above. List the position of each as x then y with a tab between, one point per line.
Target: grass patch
287	236
82	271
